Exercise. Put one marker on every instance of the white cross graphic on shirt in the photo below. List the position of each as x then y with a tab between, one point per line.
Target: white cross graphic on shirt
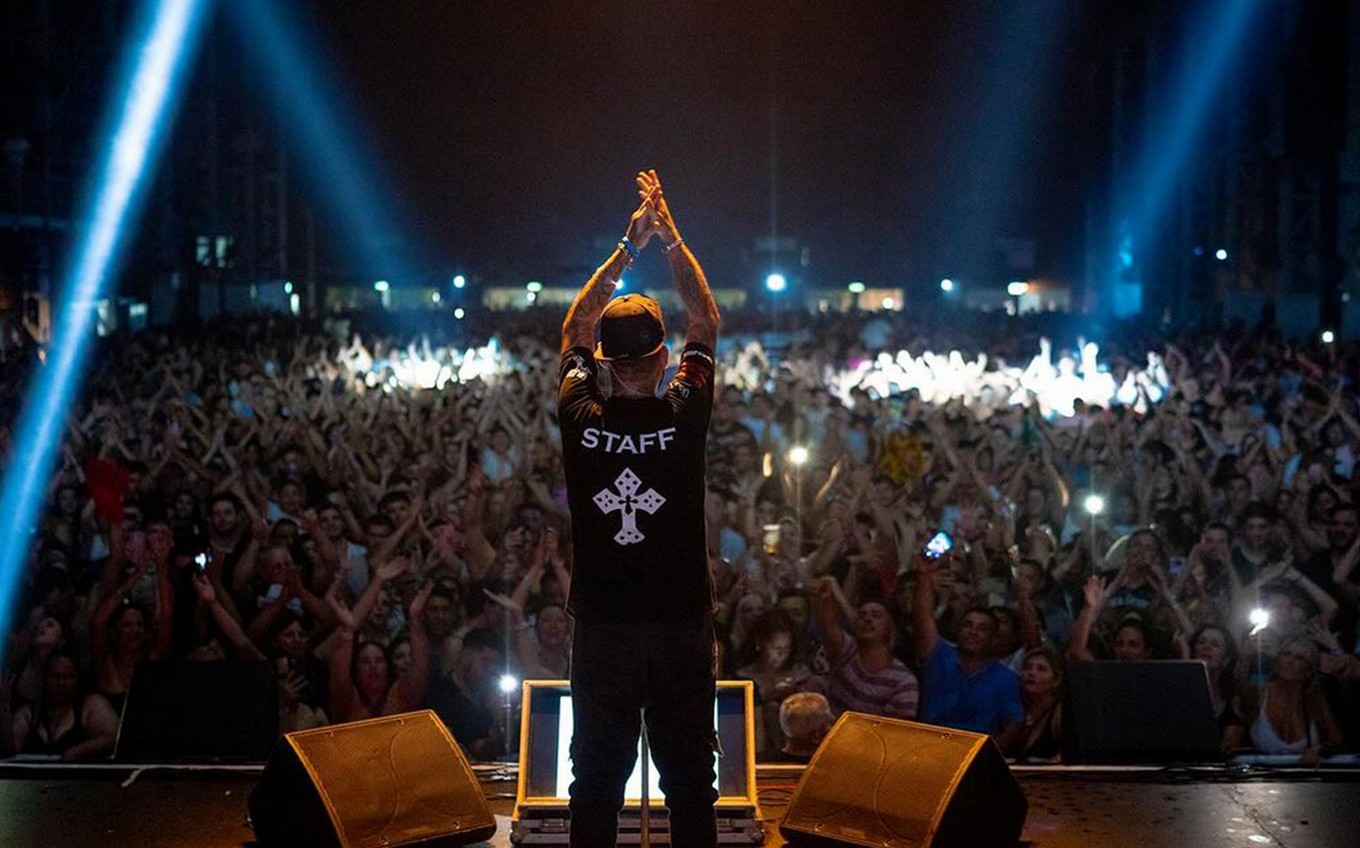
628	501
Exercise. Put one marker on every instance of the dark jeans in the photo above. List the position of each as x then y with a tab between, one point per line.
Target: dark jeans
622	675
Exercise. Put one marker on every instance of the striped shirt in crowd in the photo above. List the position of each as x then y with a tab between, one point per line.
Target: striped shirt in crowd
890	691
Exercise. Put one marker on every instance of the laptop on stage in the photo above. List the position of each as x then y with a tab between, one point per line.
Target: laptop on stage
541	816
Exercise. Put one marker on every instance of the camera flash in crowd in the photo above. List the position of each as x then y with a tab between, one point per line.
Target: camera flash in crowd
1094	504
508	683
1328	337
1260	620
798	455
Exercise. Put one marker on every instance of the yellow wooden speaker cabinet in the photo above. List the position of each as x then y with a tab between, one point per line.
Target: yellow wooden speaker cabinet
380	783
893	784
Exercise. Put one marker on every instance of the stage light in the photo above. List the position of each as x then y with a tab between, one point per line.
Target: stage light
776	282
459	281
946	285
381	286
1094	504
147	85
798	456
1259	620
856	287
534	286
1017	288
1220	254
1328	337
459	313
508	683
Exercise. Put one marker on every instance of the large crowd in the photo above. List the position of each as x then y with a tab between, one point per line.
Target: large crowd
378	511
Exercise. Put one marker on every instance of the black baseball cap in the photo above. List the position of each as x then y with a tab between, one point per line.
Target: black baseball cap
630	328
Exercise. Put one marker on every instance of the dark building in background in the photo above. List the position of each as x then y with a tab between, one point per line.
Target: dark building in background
1270	179
219	221
54	60
1264	213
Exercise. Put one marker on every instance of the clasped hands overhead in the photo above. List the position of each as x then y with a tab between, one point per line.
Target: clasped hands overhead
653	216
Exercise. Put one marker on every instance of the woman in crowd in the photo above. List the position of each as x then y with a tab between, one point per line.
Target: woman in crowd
1214	645
1039	737
122	630
364	682
45	636
1130	638
746	606
776	673
68	721
1290	713
291	640
120	640
296	712
542	646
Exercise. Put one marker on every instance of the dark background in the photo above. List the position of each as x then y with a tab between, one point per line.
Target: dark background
903	136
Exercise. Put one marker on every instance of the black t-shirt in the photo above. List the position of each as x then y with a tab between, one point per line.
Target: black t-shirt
635	485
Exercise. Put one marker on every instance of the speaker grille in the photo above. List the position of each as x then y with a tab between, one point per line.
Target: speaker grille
897	784
885	785
392	781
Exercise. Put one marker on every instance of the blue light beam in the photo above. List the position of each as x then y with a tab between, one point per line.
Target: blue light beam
142	99
1212	42
330	142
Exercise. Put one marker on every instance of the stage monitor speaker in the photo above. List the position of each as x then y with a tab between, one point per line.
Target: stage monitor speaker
886	782
379	783
1142	712
199	711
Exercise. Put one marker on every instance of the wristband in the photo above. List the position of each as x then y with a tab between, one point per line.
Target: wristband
673	246
626	244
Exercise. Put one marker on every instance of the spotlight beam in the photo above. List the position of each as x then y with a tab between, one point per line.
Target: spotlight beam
141	106
329	141
1214	40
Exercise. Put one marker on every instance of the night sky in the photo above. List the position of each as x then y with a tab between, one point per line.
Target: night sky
908	136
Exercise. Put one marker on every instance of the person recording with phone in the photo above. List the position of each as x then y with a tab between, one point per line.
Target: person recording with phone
963	685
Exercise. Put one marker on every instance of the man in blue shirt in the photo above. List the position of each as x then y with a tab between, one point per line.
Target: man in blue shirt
962	685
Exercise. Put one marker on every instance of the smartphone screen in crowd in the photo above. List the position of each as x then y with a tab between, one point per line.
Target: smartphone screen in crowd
939	545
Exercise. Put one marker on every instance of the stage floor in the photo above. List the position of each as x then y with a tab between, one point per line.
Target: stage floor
52	807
